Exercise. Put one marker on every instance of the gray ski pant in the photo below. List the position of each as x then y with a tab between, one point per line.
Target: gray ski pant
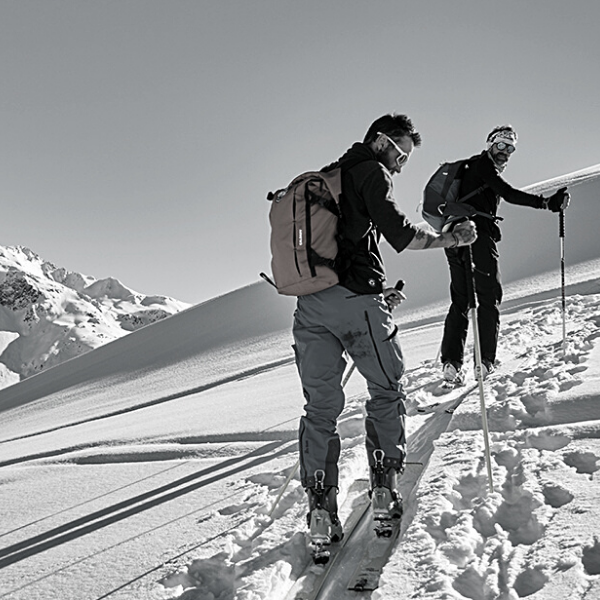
325	324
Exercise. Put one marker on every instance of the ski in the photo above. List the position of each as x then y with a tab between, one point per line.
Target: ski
310	583
427	409
468	389
377	553
387	515
452	402
451	385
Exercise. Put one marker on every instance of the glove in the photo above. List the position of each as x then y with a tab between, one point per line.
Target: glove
558	201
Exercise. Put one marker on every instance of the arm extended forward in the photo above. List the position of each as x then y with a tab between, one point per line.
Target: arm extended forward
462	235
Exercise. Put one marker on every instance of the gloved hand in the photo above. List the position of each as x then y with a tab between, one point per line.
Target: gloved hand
558	201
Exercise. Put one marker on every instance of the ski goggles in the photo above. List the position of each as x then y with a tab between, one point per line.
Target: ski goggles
402	156
508	148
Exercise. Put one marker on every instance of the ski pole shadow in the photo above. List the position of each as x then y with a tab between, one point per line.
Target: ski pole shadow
121	510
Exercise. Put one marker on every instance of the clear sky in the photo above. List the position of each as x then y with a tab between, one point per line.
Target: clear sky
140	137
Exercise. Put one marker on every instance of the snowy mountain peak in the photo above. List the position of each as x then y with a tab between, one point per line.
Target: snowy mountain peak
49	314
111	288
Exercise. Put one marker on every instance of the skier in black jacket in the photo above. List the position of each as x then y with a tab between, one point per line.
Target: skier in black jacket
484	170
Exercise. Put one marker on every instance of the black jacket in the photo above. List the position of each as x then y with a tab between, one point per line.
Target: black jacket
480	170
369	210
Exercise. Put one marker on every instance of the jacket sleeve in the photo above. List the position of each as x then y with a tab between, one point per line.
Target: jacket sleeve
487	172
377	191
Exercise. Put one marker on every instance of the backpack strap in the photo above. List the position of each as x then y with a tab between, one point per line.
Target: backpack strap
462	209
473	193
467	209
343	166
311	197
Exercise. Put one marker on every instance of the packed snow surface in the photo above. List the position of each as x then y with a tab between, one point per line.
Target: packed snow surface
123	478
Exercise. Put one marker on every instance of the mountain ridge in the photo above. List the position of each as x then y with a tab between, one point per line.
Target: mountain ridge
49	314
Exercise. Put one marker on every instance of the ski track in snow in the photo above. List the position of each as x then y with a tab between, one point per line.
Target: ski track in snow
160	400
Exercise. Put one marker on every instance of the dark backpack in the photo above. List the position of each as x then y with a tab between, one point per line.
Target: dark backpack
304	218
441	202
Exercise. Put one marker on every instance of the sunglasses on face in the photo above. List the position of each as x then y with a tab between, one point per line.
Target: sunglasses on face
509	148
402	156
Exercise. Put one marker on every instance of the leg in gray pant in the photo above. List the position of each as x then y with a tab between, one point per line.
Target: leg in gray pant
326	324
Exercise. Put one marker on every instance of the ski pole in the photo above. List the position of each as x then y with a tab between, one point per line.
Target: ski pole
348	375
561	233
395	292
284	487
267	279
470	266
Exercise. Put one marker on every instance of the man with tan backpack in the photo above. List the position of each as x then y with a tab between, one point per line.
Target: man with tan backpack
349	310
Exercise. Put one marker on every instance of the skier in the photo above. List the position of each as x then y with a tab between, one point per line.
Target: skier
484	170
353	316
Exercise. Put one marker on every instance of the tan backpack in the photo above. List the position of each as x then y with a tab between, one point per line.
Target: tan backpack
304	219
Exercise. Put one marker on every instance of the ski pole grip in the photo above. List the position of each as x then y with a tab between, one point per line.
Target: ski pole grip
393	296
268	279
561	224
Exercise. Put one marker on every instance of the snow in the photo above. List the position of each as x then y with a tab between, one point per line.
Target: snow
49	315
534	532
569	179
149	467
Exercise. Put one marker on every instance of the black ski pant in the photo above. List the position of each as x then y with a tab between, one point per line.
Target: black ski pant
488	288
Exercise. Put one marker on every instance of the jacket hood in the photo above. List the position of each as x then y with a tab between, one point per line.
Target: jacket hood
358	150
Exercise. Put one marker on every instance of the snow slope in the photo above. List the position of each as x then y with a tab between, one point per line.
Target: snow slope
169	497
149	467
49	315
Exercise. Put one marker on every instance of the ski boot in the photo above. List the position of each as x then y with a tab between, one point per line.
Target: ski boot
487	368
385	500
323	522
453	374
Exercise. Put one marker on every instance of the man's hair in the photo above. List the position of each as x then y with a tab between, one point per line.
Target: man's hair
500	128
396	126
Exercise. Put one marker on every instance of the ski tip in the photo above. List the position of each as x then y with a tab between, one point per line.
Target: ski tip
367	581
359	585
321	559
